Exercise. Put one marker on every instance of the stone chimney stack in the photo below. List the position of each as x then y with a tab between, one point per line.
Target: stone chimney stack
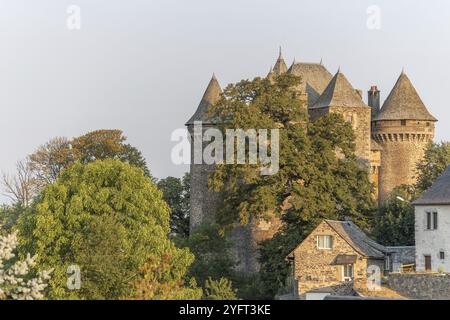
373	100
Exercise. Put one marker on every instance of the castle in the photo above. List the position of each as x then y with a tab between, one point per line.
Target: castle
390	140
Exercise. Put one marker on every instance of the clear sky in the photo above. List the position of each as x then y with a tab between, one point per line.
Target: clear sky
142	65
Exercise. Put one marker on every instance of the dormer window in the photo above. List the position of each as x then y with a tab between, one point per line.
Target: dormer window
324	242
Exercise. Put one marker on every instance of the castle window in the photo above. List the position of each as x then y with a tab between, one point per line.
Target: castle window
325	242
442	255
403	122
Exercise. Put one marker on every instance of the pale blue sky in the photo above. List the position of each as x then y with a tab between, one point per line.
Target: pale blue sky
142	66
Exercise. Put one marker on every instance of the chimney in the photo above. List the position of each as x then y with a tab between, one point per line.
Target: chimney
373	100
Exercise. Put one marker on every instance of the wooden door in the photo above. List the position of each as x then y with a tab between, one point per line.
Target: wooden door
427	263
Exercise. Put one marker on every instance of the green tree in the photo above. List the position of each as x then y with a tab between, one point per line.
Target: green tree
211	249
319	176
108	218
437	158
59	153
177	195
9	215
394	224
163	277
221	289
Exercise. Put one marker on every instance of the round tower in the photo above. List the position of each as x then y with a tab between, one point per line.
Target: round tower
403	128
204	202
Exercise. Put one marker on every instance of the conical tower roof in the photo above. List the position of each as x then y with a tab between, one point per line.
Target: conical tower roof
211	96
404	103
339	93
280	66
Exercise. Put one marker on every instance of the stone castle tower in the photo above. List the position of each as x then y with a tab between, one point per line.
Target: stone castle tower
403	128
389	141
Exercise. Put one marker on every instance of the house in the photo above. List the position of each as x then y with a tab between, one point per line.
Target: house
432	226
334	259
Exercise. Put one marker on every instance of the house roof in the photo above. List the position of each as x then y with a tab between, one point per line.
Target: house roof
211	96
357	239
404	103
339	93
438	193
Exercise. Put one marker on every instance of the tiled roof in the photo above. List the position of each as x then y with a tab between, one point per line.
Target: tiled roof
438	193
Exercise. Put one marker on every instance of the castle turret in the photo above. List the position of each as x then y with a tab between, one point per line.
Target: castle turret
341	97
204	203
280	66
403	128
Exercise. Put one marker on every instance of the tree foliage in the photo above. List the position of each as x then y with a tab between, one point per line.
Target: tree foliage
108	218
436	160
177	195
59	153
319	176
394	224
212	254
221	289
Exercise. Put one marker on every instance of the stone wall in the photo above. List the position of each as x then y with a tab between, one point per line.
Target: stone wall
314	268
204	203
403	146
401	255
360	119
421	285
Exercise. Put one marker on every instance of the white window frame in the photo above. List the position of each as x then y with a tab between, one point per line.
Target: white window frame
325	247
344	269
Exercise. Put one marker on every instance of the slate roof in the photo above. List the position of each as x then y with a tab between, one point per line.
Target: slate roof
211	96
404	103
357	239
339	93
438	193
314	78
280	66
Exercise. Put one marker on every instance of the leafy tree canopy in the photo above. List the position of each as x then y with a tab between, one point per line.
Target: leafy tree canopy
176	192
106	217
319	176
437	158
221	289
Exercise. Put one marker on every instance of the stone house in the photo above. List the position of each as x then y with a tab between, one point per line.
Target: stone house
334	259
432	227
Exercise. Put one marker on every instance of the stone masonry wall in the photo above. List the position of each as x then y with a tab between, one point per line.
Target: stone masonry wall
421	286
314	268
403	146
360	119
